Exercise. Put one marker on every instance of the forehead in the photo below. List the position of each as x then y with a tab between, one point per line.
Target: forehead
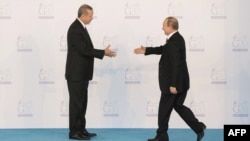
165	22
90	11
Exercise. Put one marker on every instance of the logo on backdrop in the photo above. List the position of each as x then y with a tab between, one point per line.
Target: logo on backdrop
5	77
153	41
24	44
198	108
64	108
152	108
176	10
63	44
5	11
46	11
112	41
132	11
218	11
24	109
196	43
132	76
46	76
110	108
240	43
240	108
218	76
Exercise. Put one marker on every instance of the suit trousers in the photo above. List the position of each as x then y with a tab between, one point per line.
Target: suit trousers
168	102
78	100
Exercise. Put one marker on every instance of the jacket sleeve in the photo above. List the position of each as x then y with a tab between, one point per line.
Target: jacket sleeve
154	50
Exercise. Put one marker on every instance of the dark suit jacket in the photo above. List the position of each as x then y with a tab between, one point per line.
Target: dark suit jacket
81	54
173	69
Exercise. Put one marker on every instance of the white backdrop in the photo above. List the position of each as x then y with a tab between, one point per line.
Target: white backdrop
124	92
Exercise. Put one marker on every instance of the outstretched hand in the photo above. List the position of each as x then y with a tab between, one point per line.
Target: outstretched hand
108	52
140	50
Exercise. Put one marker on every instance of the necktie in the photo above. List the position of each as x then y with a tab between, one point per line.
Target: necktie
86	30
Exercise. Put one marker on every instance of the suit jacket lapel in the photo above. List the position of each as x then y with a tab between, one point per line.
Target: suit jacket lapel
86	36
84	33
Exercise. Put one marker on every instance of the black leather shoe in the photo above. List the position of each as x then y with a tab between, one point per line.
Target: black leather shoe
200	135
79	137
86	133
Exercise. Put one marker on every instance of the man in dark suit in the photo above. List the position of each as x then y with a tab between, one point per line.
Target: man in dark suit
174	81
79	71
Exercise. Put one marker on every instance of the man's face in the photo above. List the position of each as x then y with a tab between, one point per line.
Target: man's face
167	29
89	17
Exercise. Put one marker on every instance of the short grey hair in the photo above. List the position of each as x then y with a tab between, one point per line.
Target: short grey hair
173	22
83	10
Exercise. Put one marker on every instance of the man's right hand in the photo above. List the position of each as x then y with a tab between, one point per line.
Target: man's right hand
108	52
140	50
